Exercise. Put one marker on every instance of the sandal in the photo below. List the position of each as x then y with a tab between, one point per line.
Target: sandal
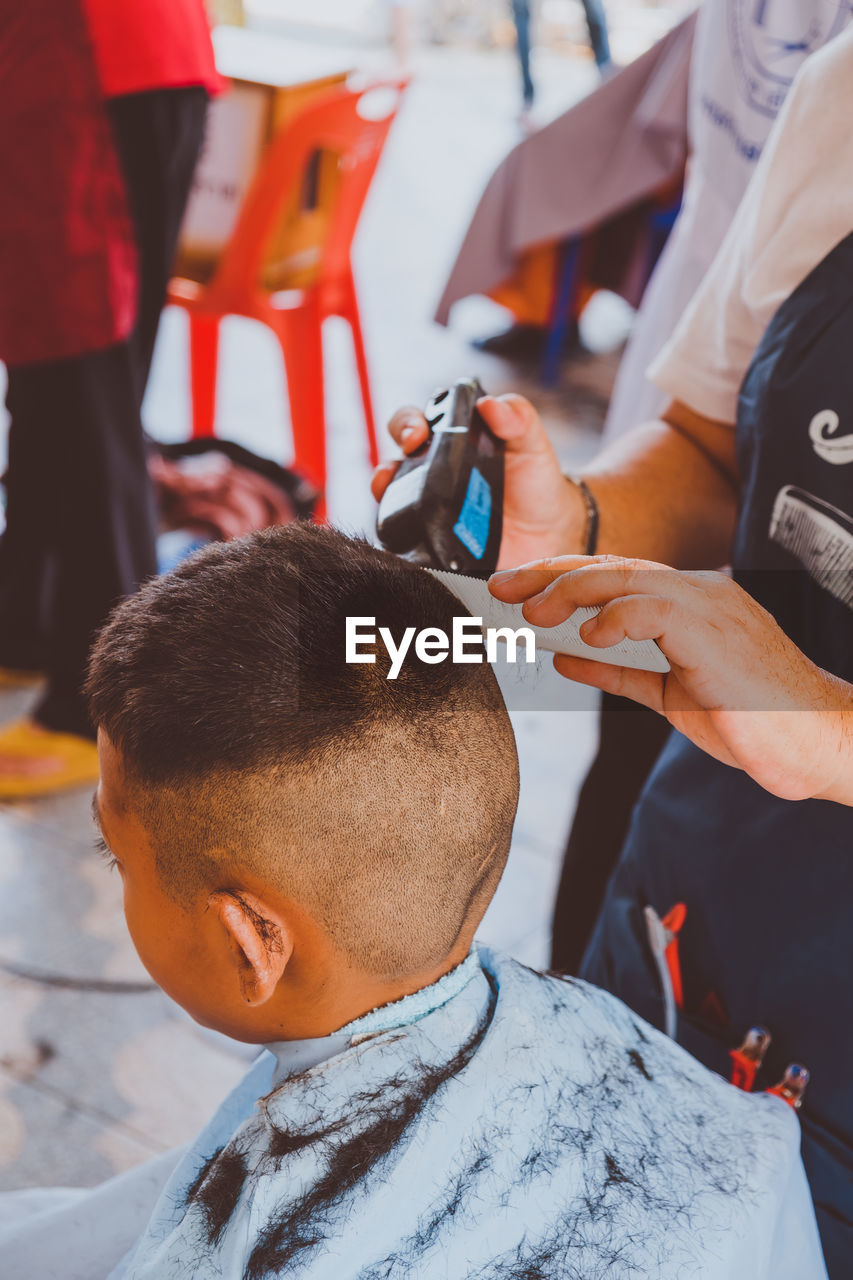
49	761
18	678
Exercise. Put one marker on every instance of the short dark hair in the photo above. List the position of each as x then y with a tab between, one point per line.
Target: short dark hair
384	806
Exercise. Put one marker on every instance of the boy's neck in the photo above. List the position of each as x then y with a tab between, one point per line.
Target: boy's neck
296	1056
332	1000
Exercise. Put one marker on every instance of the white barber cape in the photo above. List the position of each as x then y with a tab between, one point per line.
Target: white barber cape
498	1125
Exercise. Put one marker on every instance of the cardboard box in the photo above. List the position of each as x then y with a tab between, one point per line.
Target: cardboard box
271	79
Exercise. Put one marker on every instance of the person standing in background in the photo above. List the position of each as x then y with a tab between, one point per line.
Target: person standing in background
745	57
596	21
105	106
401	32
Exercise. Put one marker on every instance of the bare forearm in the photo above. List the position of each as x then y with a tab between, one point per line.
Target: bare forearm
667	496
838	742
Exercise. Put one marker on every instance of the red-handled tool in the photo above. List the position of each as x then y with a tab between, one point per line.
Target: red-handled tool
663	941
748	1058
672	922
792	1086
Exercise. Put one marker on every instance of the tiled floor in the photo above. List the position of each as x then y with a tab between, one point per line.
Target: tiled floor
97	1068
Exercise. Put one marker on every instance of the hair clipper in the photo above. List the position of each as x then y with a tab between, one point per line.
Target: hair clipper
444	507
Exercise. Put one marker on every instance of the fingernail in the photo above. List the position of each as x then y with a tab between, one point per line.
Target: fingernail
503	575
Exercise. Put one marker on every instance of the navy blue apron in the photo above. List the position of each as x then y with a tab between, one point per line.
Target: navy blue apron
768	883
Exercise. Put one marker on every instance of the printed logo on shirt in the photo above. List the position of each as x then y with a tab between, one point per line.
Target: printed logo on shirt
826	443
819	535
724	119
769	40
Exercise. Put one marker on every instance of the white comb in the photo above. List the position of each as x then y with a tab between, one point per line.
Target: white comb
641	655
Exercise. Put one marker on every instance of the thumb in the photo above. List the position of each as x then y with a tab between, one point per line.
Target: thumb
513	419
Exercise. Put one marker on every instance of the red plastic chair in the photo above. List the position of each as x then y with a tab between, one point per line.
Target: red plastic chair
333	124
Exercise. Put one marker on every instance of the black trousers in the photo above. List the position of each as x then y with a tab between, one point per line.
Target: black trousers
80	532
630	741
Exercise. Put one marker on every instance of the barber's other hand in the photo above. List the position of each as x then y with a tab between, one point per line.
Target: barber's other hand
543	512
739	687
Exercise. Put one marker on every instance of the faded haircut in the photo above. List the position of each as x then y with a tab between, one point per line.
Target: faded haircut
383	807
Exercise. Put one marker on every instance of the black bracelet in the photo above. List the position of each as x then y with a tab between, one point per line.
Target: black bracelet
591	531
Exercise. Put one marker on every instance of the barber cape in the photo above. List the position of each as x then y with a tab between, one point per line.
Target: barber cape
501	1124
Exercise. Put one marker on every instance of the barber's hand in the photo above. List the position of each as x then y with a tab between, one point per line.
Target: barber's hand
543	512
738	688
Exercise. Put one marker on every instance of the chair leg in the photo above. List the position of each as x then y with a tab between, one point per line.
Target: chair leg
363	374
300	333
204	360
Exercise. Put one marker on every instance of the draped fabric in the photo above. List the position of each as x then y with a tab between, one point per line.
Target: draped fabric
595	165
529	1126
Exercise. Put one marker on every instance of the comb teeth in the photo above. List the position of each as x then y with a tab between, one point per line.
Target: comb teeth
641	655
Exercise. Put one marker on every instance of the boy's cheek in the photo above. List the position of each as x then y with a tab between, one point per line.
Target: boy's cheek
173	957
150	938
144	940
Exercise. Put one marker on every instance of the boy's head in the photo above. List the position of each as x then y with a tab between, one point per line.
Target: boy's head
299	837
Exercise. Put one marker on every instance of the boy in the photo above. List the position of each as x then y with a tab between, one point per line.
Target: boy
307	849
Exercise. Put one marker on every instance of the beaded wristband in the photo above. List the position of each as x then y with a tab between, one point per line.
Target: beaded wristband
591	528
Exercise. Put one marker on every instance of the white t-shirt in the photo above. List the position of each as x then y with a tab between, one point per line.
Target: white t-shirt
745	56
797	207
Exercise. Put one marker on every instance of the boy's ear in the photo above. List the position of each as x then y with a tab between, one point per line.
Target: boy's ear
261	942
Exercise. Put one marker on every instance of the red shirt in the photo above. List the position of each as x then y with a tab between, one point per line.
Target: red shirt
150	44
68	260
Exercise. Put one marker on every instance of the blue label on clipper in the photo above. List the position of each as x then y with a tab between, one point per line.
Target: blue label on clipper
472	527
